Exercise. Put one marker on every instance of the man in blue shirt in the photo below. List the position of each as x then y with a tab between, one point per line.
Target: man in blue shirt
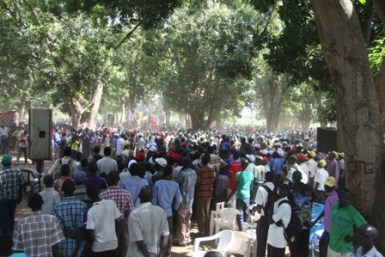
134	184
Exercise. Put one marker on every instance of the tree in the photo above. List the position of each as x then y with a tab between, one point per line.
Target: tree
358	111
205	52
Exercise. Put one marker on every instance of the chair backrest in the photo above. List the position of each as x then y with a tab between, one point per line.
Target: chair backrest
226	240
228	218
219	206
242	244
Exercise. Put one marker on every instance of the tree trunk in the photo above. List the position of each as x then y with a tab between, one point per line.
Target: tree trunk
271	101
95	104
380	86
21	111
76	112
346	55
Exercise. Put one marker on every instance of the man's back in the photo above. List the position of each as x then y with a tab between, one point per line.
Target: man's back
133	185
106	165
10	182
36	235
147	222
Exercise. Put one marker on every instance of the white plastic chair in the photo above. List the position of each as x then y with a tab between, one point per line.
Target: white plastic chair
245	244
214	216
226	239
227	220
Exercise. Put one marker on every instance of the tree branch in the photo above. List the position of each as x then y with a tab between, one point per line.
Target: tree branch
127	36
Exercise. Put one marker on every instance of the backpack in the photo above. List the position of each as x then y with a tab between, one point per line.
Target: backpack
293	229
272	196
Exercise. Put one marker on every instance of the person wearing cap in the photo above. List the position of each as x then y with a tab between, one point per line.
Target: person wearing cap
344	219
38	234
160	164
319	181
11	186
331	198
366	239
293	166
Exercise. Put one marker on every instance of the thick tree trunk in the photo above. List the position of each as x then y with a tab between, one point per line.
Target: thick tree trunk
380	86
346	55
21	111
76	112
271	102
95	104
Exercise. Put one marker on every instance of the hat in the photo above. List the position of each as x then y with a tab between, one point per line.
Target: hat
130	163
311	153
322	163
302	157
341	155
161	162
330	182
7	160
250	157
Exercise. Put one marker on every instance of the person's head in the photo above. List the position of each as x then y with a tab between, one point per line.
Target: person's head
93	192
160	163
48	180
367	236
84	162
297	177
134	169
283	189
321	164
292	159
107	151
345	197
68	187
212	254
92	168
236	155
332	155
269	176
35	201
6	245
6	160
65	170
67	151
96	149
206	158
186	162
244	164
145	194
113	178
330	184
167	171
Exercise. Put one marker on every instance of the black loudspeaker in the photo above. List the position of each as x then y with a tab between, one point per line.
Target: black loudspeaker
40	126
326	140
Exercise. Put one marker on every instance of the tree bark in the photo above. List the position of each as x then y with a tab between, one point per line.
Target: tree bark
21	111
76	112
95	104
271	102
346	55
380	8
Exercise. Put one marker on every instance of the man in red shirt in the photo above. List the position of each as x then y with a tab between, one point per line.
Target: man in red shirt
203	193
235	167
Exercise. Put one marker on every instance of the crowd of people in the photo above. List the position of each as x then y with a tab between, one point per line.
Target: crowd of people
144	190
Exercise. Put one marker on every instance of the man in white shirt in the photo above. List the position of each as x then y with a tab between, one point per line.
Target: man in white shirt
148	228
261	200
119	145
281	215
101	222
366	238
293	166
50	196
107	164
319	181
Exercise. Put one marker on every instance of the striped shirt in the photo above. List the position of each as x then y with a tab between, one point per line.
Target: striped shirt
36	234
11	180
205	180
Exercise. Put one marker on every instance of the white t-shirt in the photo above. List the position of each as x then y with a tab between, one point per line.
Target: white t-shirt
320	178
106	165
50	198
261	196
147	222
275	235
101	218
295	167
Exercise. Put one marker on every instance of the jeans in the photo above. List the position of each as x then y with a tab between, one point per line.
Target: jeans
7	215
243	206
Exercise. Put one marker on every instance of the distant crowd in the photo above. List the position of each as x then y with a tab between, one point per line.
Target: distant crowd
144	190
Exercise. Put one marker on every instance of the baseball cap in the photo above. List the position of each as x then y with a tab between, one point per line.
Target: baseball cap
330	182
6	160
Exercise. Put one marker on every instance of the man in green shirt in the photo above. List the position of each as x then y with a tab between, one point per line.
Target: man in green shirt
344	218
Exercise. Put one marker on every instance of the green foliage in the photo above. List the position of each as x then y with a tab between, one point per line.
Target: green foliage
377	54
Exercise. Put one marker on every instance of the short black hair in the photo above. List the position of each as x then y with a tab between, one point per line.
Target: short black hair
68	187
113	178
48	180
67	151
206	158
65	170
92	191
107	151
35	201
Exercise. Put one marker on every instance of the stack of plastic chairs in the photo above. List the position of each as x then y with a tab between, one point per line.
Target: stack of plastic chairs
318	228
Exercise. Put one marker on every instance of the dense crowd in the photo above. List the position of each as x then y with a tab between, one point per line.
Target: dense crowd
144	189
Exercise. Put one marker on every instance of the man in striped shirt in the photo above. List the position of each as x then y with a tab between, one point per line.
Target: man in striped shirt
203	194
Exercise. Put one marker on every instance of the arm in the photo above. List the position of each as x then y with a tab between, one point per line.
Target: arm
232	192
55	250
164	242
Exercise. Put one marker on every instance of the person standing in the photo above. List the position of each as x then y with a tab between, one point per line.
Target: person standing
23	146
203	194
344	218
50	196
261	200
123	201
148	228
70	212
319	181
11	186
366	238
107	164
38	235
101	222
186	179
